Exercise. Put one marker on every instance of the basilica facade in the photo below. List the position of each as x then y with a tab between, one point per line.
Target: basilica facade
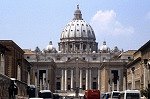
79	63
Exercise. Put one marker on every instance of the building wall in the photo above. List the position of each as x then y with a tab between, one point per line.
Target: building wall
104	81
13	59
138	69
134	76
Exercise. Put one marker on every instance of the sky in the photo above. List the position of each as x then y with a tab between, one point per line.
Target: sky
31	23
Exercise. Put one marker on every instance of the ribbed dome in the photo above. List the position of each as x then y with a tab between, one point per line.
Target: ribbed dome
77	29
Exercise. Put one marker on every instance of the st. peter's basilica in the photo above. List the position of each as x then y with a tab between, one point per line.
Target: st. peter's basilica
79	63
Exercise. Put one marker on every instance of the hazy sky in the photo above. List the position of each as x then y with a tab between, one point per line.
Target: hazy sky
31	23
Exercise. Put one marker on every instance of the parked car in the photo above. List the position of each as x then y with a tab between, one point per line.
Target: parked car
45	94
130	94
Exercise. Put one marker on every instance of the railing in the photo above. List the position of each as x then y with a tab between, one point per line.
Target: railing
114	60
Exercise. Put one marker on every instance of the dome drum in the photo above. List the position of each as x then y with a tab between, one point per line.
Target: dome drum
73	47
76	40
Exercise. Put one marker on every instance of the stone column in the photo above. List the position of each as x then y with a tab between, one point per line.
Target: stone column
133	81
44	81
0	61
118	81
65	79
113	86
71	79
47	81
86	79
67	47
73	48
110	81
124	83
148	75
36	81
28	78
117	85
40	84
2	64
38	78
90	79
98	80
81	78
145	77
62	79
77	74
18	73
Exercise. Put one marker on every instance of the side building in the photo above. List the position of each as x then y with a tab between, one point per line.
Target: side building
138	70
14	67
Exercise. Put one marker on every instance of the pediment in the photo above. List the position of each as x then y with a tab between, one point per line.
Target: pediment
75	60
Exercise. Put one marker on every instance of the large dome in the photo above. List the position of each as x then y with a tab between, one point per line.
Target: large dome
77	29
77	36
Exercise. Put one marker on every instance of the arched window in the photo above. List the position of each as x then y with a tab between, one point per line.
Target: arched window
77	46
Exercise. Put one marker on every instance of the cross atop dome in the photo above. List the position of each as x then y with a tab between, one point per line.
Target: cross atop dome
77	6
77	14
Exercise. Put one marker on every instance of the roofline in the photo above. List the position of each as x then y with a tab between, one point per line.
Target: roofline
142	47
12	42
133	62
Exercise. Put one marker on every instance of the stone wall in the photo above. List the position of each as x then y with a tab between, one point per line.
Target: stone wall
4	84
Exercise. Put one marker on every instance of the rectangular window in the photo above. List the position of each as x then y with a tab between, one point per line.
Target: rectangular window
83	87
94	85
69	87
58	86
